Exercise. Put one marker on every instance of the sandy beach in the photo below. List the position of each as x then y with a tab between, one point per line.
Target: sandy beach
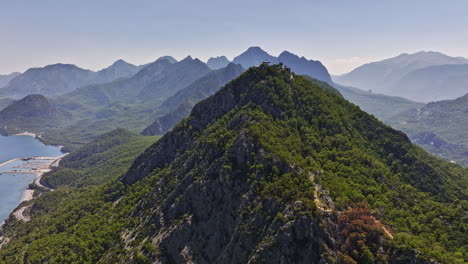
27	195
26	134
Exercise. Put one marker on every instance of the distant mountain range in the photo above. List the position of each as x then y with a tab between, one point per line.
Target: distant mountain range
254	56
4	79
57	79
272	168
160	94
217	63
422	76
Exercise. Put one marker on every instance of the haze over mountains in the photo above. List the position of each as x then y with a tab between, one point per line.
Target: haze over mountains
4	79
422	76
255	56
58	79
271	168
151	99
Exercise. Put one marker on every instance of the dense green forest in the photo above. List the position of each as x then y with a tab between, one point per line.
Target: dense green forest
268	154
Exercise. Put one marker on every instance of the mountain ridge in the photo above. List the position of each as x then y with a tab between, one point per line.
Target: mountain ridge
383	76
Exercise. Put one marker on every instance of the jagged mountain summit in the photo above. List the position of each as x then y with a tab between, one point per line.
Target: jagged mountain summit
272	168
217	63
259	170
254	56
157	80
386	76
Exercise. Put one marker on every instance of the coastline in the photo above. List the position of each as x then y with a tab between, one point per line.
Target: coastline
30	134
28	194
43	165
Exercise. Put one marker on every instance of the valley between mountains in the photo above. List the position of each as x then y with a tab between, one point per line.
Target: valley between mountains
270	167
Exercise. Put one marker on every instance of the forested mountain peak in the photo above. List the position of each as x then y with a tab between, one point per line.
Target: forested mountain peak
271	155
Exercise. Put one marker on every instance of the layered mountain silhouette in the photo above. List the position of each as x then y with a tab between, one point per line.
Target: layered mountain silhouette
434	83
179	105
409	76
50	80
58	79
157	80
119	69
217	63
273	167
254	56
4	79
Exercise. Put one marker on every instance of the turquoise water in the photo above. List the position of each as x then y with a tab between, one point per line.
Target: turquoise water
12	186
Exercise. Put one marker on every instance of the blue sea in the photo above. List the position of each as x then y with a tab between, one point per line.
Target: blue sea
12	186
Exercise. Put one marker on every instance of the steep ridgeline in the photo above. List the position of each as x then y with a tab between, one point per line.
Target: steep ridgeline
32	113
440	127
119	69
4	79
409	76
50	80
129	103
168	58
108	151
384	107
155	81
178	106
254	56
57	79
274	169
5	102
217	63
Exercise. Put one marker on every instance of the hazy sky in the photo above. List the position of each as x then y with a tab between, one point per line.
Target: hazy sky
342	34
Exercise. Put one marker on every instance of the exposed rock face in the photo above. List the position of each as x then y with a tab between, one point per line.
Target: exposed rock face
207	210
215	198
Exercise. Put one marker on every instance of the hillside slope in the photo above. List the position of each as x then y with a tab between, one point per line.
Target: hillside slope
246	158
440	127
31	113
4	79
272	168
178	106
